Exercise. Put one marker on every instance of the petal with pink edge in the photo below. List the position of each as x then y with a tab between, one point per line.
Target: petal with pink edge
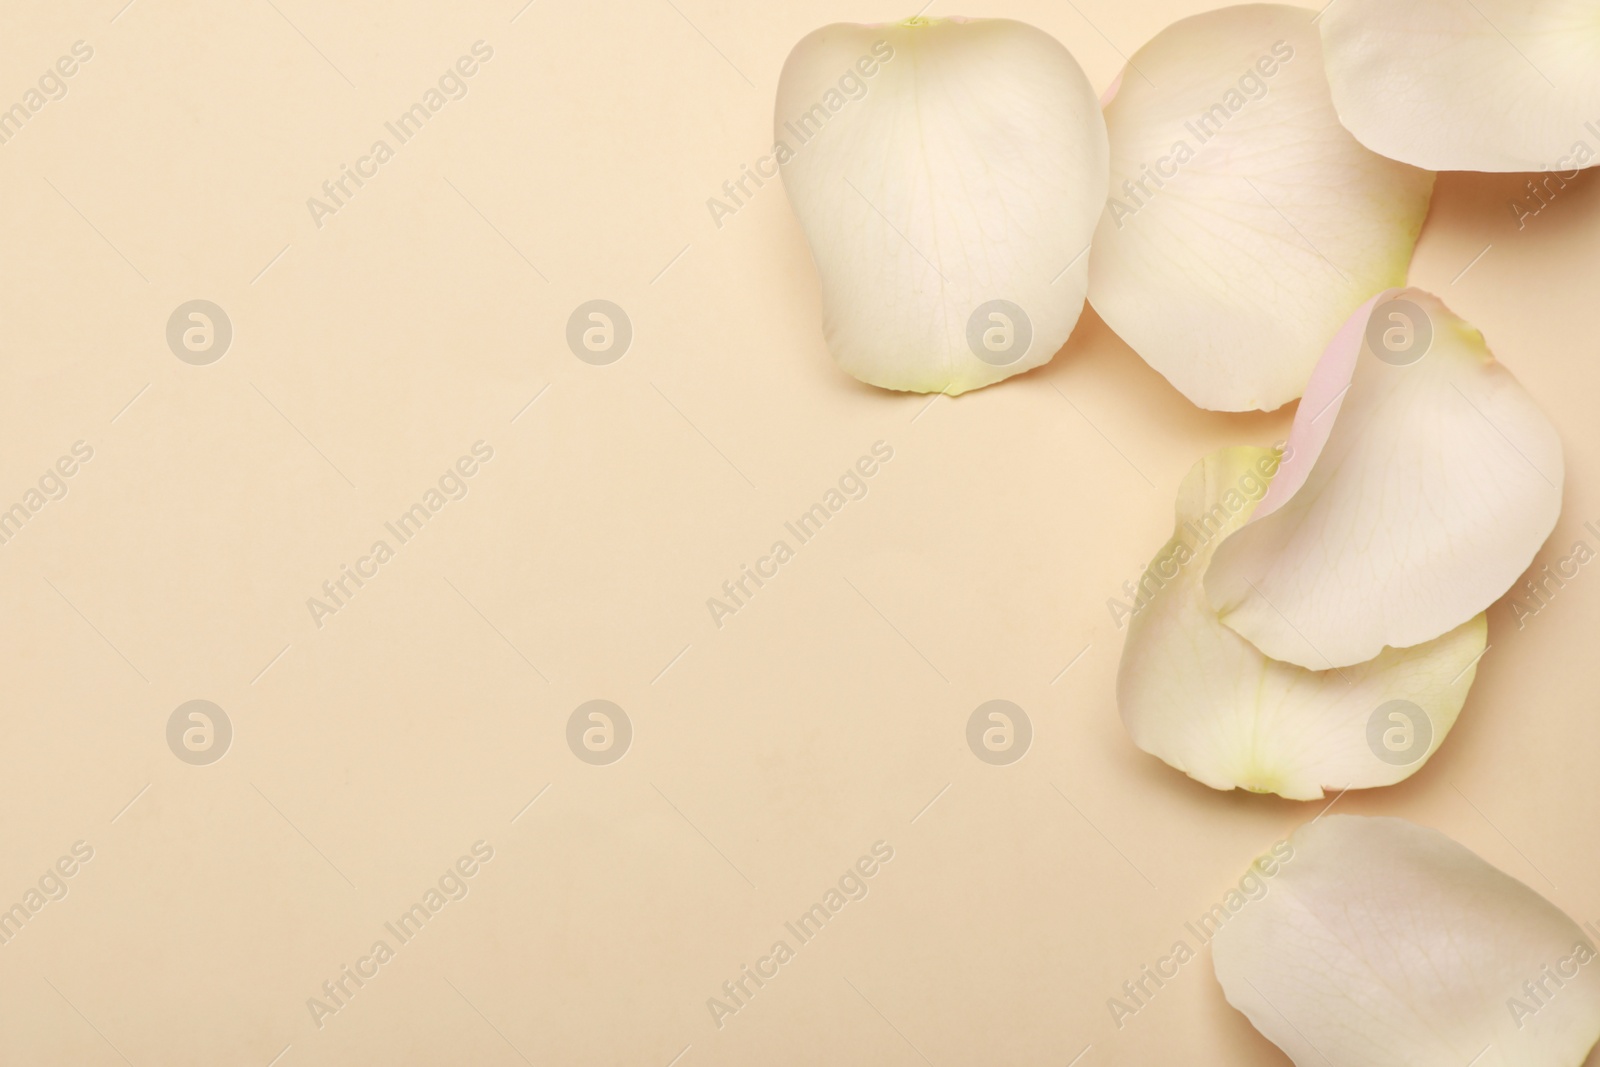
1422	481
1205	700
1379	943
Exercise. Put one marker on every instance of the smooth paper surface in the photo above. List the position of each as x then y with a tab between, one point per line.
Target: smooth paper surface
411	362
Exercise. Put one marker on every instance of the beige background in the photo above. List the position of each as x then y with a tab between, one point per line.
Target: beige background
370	753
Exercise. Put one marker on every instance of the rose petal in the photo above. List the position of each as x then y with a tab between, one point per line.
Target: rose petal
1379	943
1203	699
1429	495
1245	223
949	208
1492	85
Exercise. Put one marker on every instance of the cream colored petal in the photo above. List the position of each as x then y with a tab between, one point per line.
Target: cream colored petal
1494	85
948	196
1203	699
1420	487
1245	223
1379	943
